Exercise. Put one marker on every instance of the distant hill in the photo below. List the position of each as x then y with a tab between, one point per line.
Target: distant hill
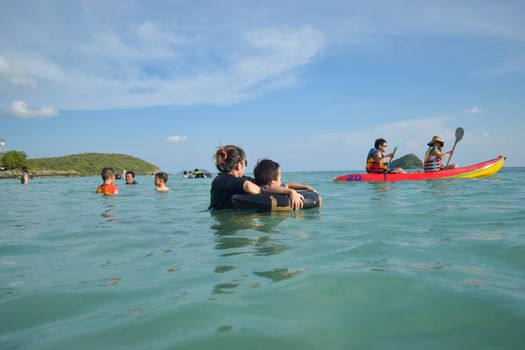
408	161
91	164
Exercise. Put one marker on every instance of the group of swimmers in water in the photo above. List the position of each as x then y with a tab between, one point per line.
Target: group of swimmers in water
231	162
109	188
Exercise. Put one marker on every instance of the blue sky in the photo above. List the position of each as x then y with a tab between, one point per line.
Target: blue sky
309	84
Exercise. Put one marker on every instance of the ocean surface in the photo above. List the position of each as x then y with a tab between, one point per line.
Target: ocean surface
408	265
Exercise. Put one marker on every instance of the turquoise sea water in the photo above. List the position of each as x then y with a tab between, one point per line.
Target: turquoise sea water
409	265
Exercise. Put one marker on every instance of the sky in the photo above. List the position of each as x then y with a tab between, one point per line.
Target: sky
309	84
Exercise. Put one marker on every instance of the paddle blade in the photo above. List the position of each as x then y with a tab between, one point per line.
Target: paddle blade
459	134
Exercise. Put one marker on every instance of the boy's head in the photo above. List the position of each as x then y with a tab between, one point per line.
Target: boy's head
108	174
161	176
267	173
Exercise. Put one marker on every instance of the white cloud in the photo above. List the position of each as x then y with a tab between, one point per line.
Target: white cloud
506	68
178	54
15	73
412	133
149	66
176	139
473	110
20	109
151	32
279	52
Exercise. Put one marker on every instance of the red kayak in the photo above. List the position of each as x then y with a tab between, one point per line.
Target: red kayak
487	168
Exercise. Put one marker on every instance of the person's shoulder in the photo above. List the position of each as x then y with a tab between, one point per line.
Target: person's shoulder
220	177
376	153
248	178
225	177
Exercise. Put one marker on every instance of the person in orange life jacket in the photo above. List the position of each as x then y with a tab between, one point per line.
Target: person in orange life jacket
376	162
108	188
434	155
231	162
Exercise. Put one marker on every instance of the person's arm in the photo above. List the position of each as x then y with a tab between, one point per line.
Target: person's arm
251	188
296	198
300	187
436	153
380	159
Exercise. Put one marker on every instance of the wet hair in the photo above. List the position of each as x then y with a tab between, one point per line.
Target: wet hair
265	172
227	157
379	142
131	172
161	175
24	169
107	173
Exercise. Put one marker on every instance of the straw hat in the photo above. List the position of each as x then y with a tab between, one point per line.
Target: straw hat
434	139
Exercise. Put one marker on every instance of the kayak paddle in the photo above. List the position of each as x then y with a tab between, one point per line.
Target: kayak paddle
459	136
390	160
393	153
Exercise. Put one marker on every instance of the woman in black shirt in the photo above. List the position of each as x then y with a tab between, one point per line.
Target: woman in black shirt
231	162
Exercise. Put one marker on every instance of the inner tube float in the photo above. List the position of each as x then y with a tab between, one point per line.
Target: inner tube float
274	202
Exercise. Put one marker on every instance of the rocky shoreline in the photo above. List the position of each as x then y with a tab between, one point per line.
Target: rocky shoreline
13	174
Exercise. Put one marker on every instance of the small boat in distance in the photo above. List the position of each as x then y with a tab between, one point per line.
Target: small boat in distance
197	174
487	168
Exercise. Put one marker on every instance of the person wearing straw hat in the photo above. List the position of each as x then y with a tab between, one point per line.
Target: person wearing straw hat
435	154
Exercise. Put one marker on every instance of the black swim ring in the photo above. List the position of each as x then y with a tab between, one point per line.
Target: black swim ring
274	202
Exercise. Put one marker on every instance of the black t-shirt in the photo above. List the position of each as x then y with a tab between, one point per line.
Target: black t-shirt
223	187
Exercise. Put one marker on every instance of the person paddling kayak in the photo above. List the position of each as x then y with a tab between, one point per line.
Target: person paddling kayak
377	161
435	154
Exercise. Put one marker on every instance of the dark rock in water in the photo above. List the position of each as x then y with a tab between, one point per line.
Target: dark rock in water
408	161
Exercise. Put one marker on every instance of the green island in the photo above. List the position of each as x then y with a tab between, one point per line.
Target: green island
84	164
408	161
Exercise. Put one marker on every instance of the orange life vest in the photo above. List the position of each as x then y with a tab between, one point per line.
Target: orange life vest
108	189
373	166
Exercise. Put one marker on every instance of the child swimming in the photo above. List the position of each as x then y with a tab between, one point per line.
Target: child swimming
108	188
160	182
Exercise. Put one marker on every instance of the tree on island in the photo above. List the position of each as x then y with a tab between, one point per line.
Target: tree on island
408	161
14	159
